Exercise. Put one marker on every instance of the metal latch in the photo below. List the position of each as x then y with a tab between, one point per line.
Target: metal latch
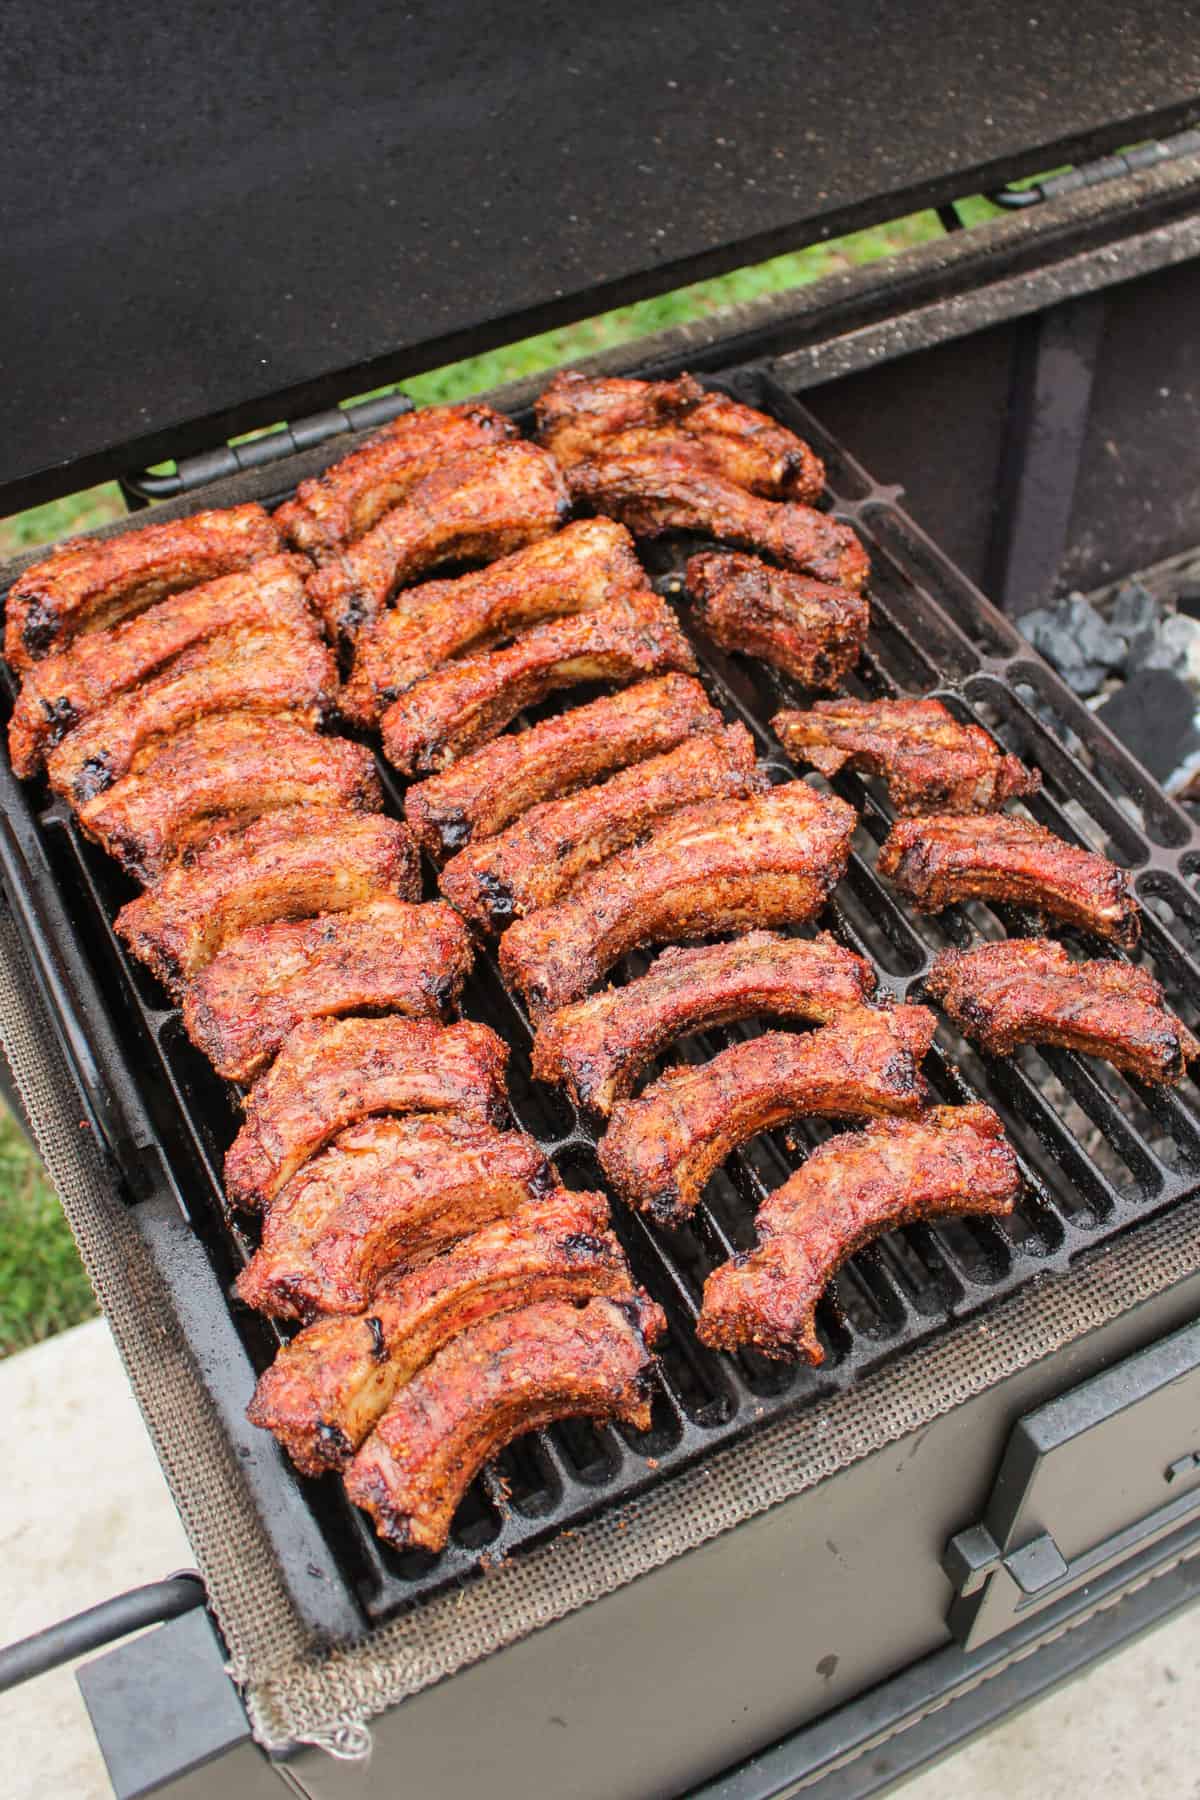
1086	1481
299	434
1105	168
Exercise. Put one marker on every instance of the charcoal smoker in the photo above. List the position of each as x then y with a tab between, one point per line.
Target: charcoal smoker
804	1580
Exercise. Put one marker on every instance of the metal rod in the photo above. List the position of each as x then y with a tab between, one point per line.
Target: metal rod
103	1624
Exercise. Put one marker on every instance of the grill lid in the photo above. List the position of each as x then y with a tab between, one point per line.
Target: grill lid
215	217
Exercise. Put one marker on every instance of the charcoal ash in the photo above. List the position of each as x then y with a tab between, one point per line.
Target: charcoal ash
1154	715
1077	641
1136	615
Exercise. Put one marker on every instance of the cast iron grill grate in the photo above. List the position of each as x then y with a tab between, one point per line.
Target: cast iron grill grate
1098	1150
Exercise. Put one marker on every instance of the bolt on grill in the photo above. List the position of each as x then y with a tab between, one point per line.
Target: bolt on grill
1098	1150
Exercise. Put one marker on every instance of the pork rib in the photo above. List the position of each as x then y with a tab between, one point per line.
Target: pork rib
814	630
954	1161
598	1048
661	1148
500	1379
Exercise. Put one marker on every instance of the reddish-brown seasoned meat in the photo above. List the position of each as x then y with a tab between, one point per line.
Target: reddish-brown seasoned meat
287	865
930	761
656	492
945	858
327	1388
466	703
63	690
814	630
217	775
330	1072
253	670
544	853
598	1047
500	1379
388	1191
589	564
385	956
474	508
660	1149
1028	991
354	493
478	796
954	1160
88	583
721	867
581	416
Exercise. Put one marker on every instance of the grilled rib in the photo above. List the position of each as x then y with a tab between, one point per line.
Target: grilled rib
63	690
581	416
598	1048
217	775
656	492
330	1072
814	630
327	1389
945	858
768	860
385	956
386	1192
465	703
92	582
661	1148
954	1161
475	508
489	788
253	670
930	761
287	865
585	566
1028	991
353	494
544	853
500	1379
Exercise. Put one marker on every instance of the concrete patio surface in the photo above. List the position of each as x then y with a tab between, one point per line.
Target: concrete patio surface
84	1513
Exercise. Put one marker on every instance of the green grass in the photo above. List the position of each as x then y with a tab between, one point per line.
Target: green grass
42	1285
43	1288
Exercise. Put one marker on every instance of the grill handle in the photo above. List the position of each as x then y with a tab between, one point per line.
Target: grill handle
153	1604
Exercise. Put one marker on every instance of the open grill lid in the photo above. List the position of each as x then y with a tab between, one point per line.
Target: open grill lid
216	217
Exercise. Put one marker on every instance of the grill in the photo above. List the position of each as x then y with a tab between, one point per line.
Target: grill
1099	1151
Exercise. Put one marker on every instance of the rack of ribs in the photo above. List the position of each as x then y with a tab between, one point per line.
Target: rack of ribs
89	583
599	1047
219	774
331	1072
487	789
467	702
953	1162
814	631
930	761
728	865
657	492
500	1379
257	669
582	416
286	865
72	685
661	1148
385	956
946	857
328	1387
539	857
473	508
387	1192
1028	991
586	565
338	506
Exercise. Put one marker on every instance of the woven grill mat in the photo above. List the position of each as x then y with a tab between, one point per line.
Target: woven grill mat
296	1694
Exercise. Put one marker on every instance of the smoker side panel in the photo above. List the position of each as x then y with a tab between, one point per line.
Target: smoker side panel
721	1652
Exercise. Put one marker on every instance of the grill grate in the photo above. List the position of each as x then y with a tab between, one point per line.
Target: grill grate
1098	1150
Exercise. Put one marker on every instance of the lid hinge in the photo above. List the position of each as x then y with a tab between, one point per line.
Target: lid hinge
1105	168
198	471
